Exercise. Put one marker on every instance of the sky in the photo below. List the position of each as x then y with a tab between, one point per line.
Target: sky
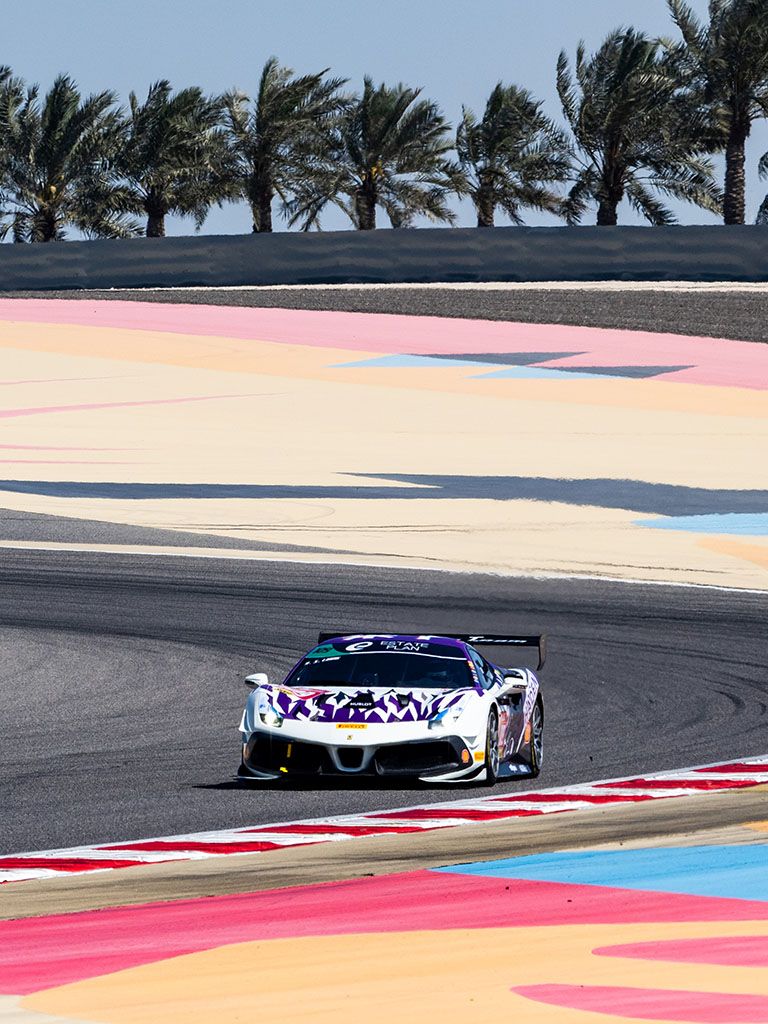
455	51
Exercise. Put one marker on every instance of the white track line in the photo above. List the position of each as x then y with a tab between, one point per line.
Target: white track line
504	806
485	286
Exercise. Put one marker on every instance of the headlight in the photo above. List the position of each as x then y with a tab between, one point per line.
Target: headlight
447	717
270	717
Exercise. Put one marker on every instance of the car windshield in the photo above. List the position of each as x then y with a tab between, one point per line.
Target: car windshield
371	670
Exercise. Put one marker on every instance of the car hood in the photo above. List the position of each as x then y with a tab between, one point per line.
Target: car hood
349	704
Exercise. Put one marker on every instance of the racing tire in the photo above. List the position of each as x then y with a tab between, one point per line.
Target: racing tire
492	749
535	758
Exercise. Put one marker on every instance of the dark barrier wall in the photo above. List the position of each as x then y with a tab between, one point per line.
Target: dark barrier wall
715	253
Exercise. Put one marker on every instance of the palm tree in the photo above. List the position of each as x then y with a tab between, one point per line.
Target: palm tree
11	93
762	213
276	139
511	156
725	66
636	135
389	150
174	157
56	155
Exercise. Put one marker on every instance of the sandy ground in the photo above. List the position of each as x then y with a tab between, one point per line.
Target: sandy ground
279	442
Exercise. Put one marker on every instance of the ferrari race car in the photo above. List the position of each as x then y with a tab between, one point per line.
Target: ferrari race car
427	707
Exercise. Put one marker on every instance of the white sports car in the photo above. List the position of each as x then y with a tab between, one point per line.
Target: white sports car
428	707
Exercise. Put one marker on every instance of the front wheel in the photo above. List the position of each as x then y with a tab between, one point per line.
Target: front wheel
536	744
492	749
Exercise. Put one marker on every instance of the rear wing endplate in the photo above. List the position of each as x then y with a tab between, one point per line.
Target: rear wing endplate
537	640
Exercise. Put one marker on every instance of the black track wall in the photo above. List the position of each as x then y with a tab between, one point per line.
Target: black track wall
716	253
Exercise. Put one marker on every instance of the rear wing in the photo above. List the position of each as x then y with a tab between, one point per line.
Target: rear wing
537	640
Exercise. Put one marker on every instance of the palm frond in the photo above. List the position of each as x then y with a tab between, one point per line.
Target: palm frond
635	128
643	200
512	154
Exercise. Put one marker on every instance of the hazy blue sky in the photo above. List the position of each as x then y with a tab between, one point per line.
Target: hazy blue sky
455	51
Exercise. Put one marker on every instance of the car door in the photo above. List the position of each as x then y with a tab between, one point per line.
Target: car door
511	702
492	679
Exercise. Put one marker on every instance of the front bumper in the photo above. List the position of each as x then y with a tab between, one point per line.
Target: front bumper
441	758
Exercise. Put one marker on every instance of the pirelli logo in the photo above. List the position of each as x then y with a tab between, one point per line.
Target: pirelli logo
351	725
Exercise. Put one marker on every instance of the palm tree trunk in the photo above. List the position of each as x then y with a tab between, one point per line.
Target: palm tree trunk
45	225
261	213
365	205
265	211
485	208
607	210
260	195
156	223
733	205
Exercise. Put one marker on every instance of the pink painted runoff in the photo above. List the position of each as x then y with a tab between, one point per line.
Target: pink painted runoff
726	950
711	360
42	952
653	1004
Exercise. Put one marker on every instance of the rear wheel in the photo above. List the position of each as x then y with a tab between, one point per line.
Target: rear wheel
492	749
536	744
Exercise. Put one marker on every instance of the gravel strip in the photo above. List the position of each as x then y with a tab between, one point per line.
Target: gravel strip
729	313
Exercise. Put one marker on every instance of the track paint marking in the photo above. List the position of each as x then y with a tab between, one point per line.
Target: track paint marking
308	829
428	813
193	846
64	864
725	950
44	952
697	780
736	871
652	1004
586	798
705	784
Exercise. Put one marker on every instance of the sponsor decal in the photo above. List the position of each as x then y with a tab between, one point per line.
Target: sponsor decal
302	693
496	640
479	755
362	700
531	693
351	725
324	651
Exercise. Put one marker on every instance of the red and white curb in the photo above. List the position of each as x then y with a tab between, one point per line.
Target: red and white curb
505	805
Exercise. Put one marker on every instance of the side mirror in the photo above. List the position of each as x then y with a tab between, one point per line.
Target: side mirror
257	679
514	681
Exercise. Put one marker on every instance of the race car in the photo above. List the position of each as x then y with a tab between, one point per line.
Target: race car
397	705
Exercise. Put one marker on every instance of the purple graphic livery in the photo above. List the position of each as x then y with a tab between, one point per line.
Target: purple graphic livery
379	704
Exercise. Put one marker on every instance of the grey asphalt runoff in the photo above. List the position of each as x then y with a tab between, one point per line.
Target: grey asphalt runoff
633	495
20	526
121	682
717	314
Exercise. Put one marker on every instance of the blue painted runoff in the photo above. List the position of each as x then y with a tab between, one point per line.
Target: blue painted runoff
735	872
516	372
396	360
732	523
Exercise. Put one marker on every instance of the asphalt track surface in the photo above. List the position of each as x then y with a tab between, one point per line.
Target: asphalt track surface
718	314
121	681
